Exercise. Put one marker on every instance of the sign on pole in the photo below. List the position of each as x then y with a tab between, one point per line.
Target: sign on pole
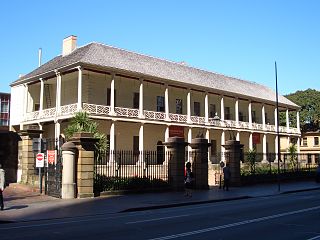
40	160
51	156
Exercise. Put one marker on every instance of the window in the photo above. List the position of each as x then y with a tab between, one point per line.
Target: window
227	114
212	110
4	107
254	119
135	144
242	118
36	106
316	141
179	106
196	108
136	100
304	142
160	104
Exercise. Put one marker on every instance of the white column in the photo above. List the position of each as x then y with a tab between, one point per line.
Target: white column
141	142
57	130
264	148
58	93
141	113
40	128
41	94
166	102
250	114
263	113
287	120
222	108
298	121
112	143
166	134
206	107
250	141
298	145
223	141
238	136
275	119
79	107
26	99
236	107
189	141
276	147
189	106
112	95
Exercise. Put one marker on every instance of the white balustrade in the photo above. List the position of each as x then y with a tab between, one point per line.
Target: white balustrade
154	115
197	119
244	125
48	113
96	109
178	117
257	126
33	115
126	112
68	109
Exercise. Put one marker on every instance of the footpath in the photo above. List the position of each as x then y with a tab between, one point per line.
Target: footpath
23	203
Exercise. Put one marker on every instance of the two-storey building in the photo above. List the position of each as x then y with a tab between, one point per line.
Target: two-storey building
139	101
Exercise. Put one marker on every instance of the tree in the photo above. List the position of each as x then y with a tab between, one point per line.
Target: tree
309	101
82	123
293	158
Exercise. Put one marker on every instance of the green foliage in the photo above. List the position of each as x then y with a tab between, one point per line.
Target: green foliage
309	101
82	123
104	183
251	157
293	158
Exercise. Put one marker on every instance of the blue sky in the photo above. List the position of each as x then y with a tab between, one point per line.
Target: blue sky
235	38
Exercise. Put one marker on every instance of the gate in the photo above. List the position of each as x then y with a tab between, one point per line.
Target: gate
54	170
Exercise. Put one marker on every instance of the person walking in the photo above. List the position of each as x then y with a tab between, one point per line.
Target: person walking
188	180
226	177
2	186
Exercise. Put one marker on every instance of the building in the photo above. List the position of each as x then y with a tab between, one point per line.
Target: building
4	111
310	146
139	101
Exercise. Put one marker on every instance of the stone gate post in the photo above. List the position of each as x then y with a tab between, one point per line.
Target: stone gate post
200	162
233	152
69	151
176	150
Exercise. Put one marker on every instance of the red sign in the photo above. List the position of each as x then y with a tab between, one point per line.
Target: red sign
40	160
256	138
51	156
176	131
40	156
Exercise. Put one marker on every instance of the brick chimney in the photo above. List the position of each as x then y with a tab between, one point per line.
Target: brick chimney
69	44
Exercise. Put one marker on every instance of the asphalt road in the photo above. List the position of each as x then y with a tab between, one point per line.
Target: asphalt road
287	216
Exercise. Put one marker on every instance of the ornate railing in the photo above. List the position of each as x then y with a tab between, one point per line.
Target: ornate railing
230	123
68	109
282	129
49	112
33	115
126	112
244	125
213	122
154	115
197	120
96	109
178	117
257	126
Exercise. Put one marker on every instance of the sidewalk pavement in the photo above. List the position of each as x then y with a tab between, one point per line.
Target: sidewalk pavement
23	203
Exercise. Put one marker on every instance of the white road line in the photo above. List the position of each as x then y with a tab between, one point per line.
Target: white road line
314	238
255	220
157	219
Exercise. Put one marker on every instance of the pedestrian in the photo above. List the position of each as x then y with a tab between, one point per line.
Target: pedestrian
2	185
188	180
226	177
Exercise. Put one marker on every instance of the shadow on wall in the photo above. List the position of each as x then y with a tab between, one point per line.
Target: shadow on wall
9	154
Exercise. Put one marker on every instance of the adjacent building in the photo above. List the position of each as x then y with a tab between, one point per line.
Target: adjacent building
4	111
310	146
139	101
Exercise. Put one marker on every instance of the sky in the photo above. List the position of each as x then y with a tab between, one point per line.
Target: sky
236	38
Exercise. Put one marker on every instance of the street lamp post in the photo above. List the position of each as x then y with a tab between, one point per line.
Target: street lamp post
278	137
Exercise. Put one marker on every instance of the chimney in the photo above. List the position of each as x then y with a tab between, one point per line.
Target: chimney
69	44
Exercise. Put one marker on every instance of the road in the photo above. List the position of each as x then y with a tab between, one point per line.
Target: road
288	216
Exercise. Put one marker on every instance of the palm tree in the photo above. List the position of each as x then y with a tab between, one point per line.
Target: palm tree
82	123
292	149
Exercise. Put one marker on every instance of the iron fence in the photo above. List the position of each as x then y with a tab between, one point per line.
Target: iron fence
130	170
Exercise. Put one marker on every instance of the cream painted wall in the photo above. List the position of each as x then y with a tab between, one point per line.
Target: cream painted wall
243	108
125	89
244	139
257	107
230	102
152	134
33	96
271	143
17	105
151	91
124	134
52	82
69	88
270	114
215	99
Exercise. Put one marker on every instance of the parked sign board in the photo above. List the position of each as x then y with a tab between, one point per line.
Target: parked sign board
40	160
51	156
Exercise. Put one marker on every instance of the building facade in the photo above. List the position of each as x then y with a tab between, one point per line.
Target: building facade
4	111
139	101
310	146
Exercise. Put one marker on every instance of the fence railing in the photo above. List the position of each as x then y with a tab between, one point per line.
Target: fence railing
130	170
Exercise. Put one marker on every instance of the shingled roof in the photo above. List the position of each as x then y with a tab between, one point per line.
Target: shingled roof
111	57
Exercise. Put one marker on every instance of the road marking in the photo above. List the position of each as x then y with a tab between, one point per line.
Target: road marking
255	220
157	219
314	238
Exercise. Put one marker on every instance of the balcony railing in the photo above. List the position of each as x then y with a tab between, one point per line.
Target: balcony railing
151	115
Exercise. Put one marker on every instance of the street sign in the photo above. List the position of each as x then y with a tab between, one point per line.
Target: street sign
40	160
51	156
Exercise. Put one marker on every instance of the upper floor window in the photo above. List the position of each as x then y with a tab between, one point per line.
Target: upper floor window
254	118
4	107
304	142
136	100
227	114
160	104
316	141
242	118
196	108
179	106
212	110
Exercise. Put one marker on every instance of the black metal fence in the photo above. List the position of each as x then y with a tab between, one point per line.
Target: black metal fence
130	170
